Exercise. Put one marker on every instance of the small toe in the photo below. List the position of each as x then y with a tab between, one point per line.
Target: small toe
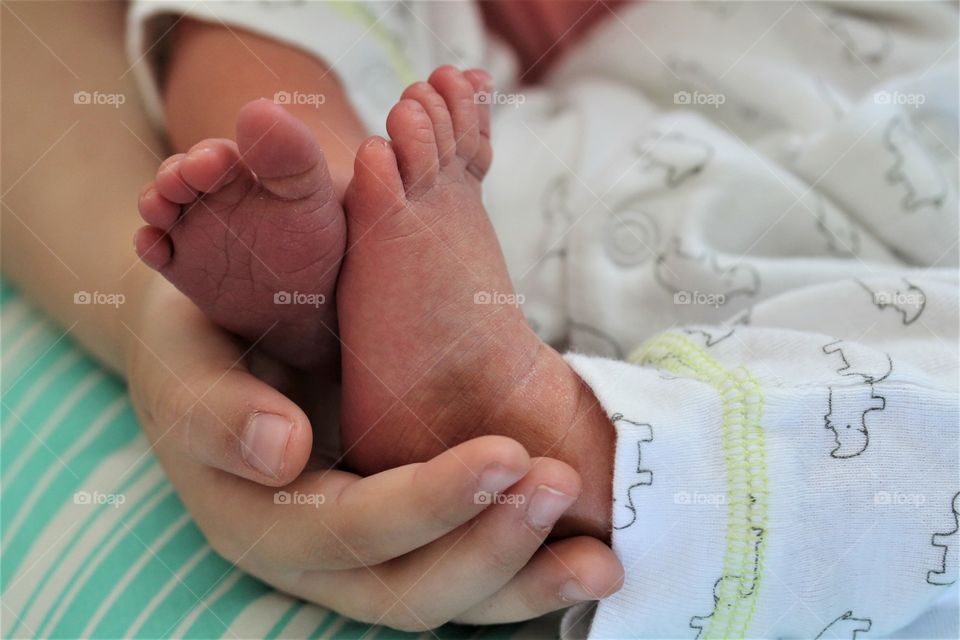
376	187
282	151
171	185
153	246
458	93
211	164
414	144
482	84
157	210
436	108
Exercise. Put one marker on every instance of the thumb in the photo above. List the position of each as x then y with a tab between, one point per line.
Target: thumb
191	382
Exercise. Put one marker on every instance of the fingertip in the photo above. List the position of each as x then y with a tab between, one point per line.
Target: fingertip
275	446
557	475
594	566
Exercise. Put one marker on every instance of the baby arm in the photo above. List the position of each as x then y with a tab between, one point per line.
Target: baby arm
765	468
214	70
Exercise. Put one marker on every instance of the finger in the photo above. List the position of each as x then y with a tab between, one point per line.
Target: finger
559	575
430	586
394	512
333	520
190	378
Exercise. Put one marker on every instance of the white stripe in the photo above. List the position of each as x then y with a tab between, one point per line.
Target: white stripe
10	353
38	436
40	385
305	621
333	628
11	316
257	618
203	604
81	544
134	570
94	564
90	433
155	602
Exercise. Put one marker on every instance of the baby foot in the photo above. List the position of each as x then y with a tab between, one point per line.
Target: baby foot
252	232
435	348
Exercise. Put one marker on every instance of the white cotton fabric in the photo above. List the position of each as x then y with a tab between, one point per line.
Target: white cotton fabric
375	49
775	184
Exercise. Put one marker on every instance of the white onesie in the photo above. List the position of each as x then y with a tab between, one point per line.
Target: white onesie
741	220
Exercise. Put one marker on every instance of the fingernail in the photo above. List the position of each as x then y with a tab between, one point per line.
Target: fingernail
496	477
574	591
546	506
265	442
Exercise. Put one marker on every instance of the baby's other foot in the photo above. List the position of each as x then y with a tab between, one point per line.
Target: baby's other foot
435	348
252	232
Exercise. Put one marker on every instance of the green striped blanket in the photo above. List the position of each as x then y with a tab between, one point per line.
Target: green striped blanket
95	542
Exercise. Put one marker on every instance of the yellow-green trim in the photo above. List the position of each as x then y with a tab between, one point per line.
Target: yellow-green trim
745	460
359	12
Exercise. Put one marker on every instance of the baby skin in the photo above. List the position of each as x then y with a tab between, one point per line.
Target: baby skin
251	230
425	365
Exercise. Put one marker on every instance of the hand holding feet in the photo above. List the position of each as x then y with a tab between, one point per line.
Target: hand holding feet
426	365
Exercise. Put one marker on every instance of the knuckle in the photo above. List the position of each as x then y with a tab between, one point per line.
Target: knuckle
500	558
336	552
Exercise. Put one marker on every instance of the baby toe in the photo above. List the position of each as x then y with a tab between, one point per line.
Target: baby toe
414	144
157	210
482	84
153	246
436	108
170	183
458	94
211	164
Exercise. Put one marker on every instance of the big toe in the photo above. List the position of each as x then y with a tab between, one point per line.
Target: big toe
282	151
376	188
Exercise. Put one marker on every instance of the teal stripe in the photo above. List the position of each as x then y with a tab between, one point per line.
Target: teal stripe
325	624
129	550
18	425
185	597
284	620
7	292
117	434
116	533
145	465
218	615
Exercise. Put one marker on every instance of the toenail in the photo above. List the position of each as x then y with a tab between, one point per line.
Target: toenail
264	442
546	506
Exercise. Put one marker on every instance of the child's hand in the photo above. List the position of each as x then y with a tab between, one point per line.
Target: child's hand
411	548
193	392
